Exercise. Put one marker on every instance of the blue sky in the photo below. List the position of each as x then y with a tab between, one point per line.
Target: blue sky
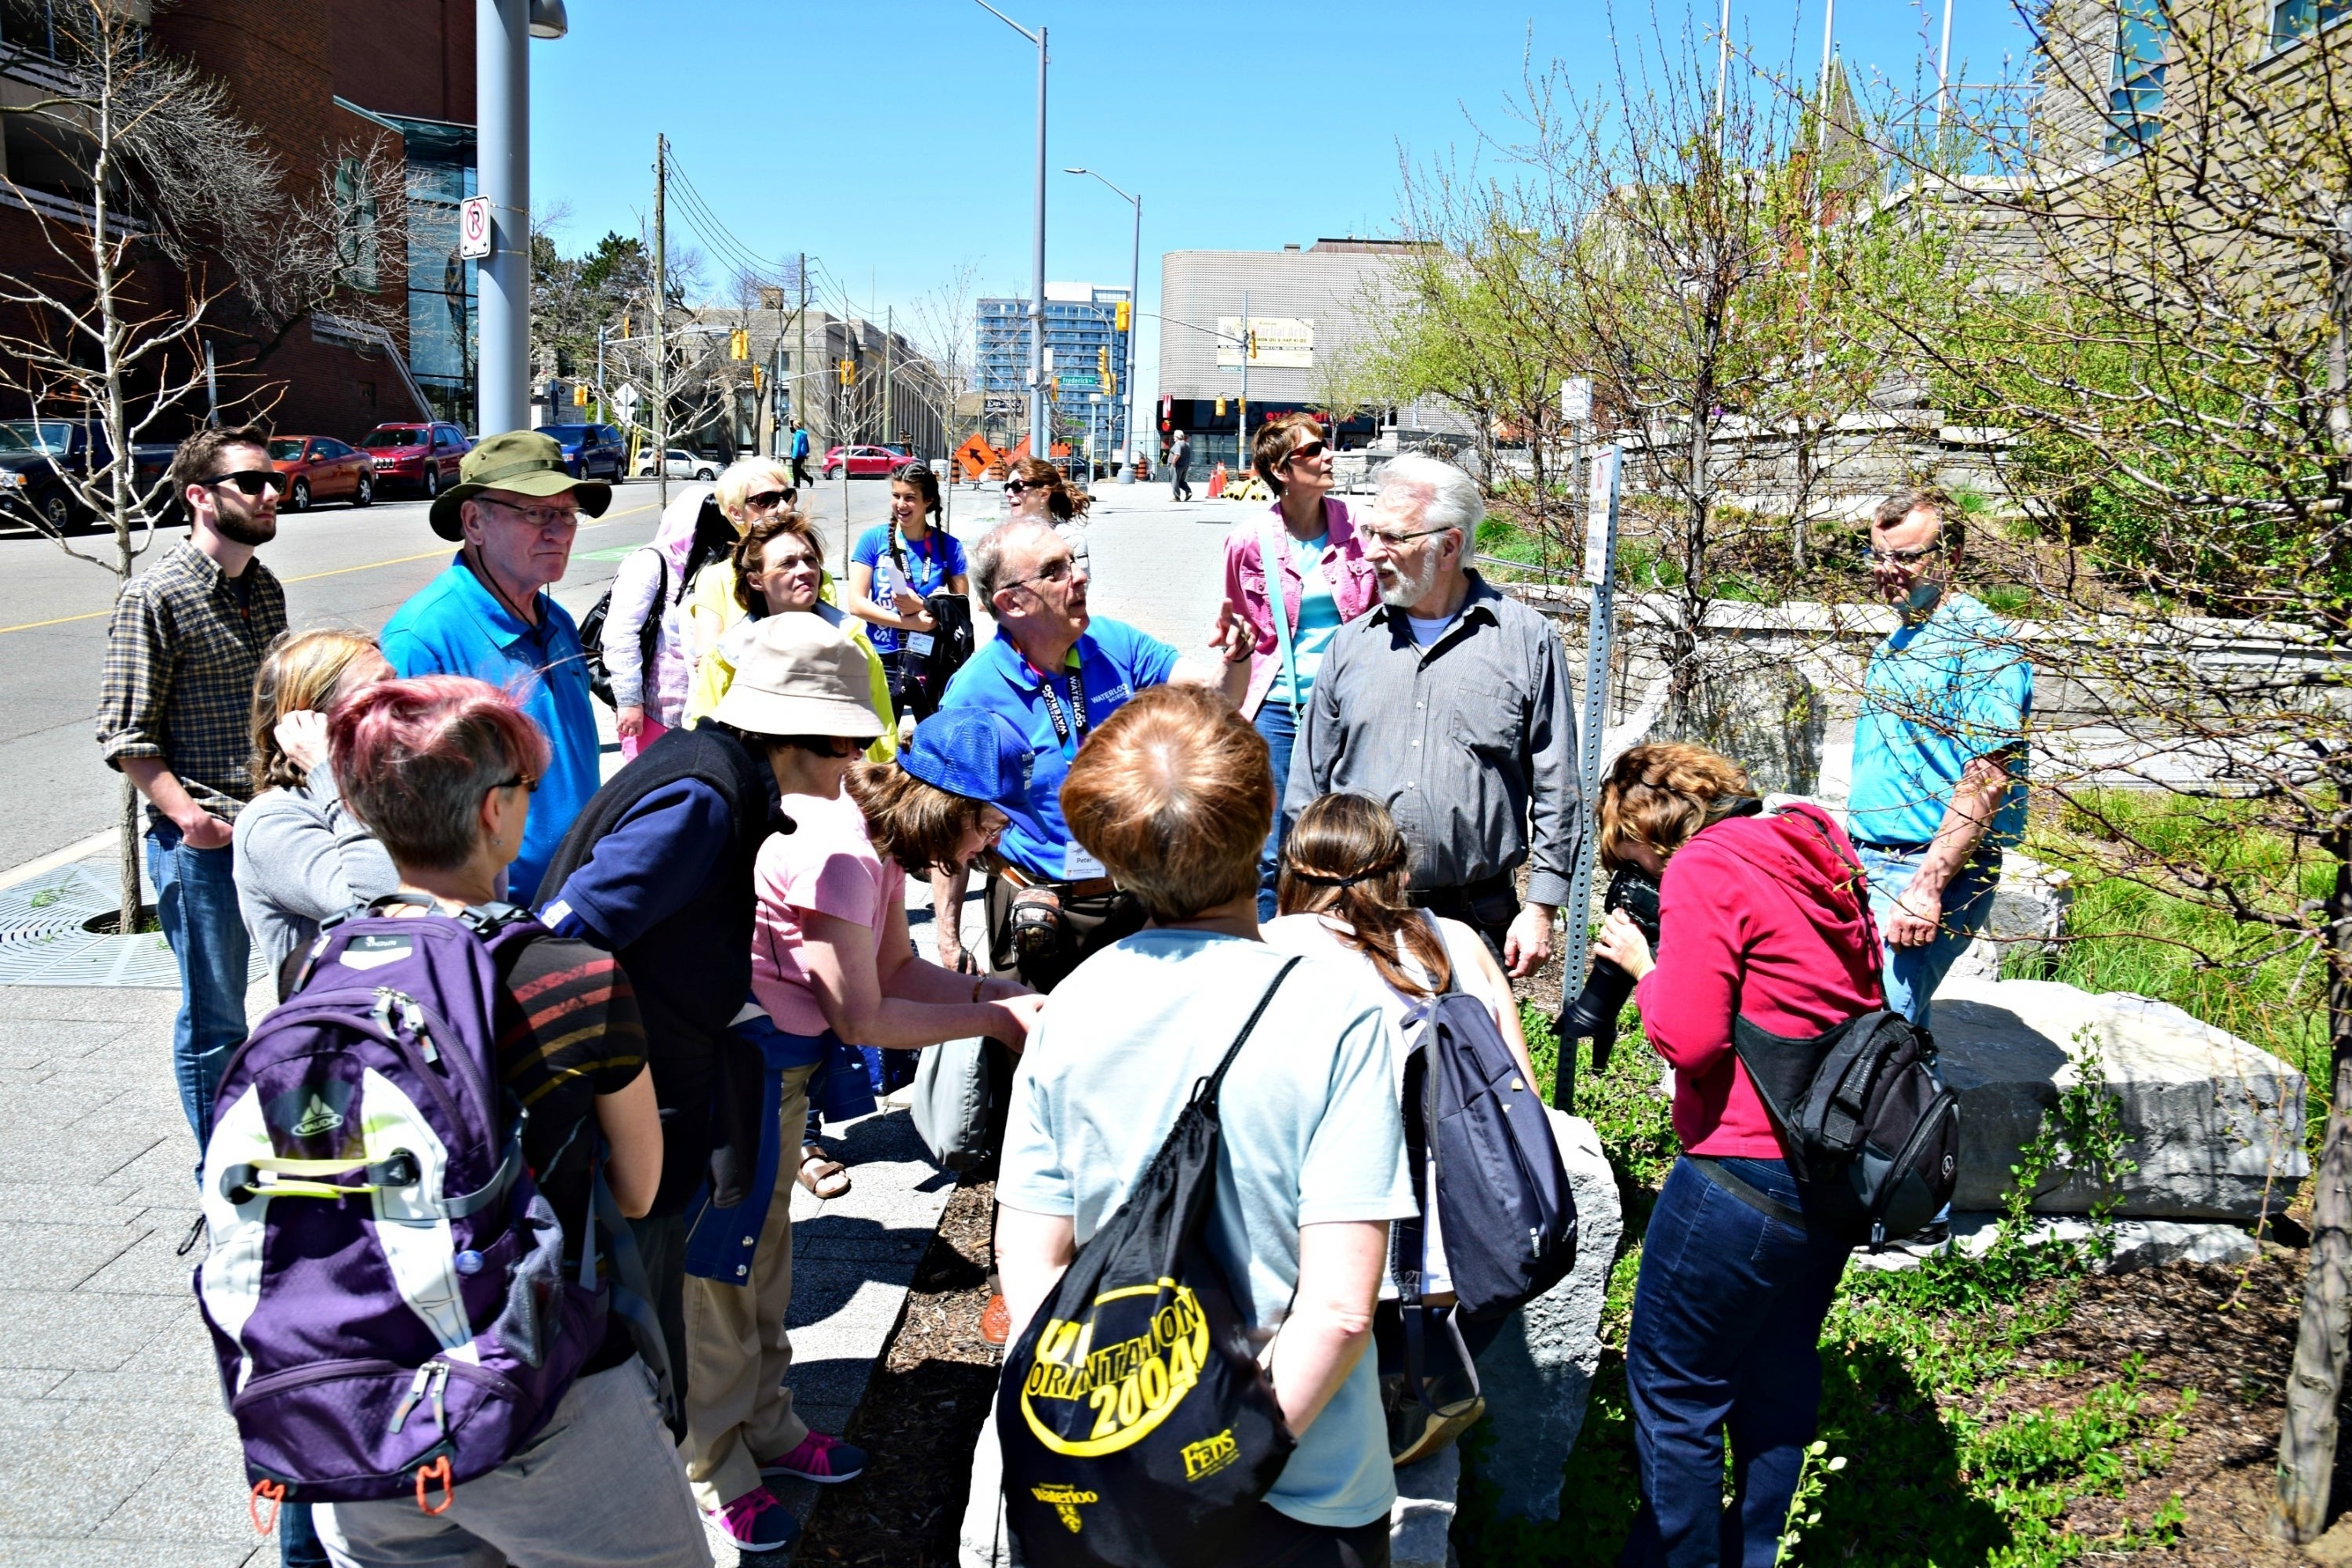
894	140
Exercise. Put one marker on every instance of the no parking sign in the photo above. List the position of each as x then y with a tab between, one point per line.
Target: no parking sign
473	228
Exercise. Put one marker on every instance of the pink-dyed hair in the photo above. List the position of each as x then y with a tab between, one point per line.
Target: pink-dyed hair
414	757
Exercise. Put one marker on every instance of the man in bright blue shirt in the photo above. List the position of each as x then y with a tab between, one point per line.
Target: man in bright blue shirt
1939	751
514	512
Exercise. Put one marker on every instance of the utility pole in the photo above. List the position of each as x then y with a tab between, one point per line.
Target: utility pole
601	328
889	409
1134	318
502	31
1040	434
799	379
661	314
1241	429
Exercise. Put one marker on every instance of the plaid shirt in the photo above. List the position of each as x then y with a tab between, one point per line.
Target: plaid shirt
181	655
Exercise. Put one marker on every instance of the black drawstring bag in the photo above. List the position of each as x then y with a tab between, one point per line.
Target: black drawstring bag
1138	1431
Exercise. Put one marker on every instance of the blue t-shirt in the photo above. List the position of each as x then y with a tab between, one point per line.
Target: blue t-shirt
1319	622
930	563
454	625
1936	696
1114	661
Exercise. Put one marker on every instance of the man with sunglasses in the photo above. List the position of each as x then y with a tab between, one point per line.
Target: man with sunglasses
173	716
513	514
1938	749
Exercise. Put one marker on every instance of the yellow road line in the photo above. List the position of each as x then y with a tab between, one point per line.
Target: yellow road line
312	576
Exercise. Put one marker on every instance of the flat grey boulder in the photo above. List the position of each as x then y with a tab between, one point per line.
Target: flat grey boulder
2137	1243
2215	1123
1538	1375
1421	1520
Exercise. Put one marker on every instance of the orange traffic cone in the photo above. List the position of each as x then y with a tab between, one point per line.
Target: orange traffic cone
1216	482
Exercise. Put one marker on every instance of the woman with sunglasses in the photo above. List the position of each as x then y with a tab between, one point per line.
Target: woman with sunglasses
649	693
751	491
895	569
1318	581
1034	489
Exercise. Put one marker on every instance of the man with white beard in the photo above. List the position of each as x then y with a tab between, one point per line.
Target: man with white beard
1449	704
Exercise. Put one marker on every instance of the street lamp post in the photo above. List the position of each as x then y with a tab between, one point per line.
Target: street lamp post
502	31
1041	439
1134	314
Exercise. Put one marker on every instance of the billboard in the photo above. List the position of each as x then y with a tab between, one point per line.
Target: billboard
1284	342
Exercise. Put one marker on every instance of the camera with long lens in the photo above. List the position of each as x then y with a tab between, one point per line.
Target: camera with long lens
1593	1015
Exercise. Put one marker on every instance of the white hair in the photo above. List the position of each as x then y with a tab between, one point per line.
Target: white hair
1453	499
986	556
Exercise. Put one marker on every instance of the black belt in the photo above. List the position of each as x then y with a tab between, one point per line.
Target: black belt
1763	1203
1893	848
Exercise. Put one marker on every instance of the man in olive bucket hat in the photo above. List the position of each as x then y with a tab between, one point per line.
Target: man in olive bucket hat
514	512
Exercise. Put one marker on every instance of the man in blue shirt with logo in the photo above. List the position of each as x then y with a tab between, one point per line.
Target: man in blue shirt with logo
514	513
1939	751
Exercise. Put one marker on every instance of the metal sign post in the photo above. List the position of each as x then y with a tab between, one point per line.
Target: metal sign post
1600	576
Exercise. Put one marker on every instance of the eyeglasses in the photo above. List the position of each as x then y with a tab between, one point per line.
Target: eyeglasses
1015	487
1390	539
1057	571
252	482
1900	557
1307	450
530	784
768	500
540	517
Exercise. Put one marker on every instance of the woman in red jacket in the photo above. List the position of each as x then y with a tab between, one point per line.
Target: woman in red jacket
1763	915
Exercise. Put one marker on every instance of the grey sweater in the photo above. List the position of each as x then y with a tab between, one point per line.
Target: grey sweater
301	858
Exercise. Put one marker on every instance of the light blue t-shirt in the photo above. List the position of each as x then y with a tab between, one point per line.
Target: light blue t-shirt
1937	695
1312	1136
1319	622
1115	662
930	563
454	625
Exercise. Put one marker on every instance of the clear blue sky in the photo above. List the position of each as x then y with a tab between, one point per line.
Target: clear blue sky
894	139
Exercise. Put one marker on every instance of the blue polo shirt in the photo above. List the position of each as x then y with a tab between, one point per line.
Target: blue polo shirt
1114	661
1936	695
454	625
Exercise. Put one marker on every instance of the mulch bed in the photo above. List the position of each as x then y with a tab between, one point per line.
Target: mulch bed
921	1413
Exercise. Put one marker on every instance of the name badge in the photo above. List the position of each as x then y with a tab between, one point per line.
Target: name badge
1077	866
918	642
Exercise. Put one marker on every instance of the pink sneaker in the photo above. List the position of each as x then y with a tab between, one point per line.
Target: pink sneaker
823	1459
756	1522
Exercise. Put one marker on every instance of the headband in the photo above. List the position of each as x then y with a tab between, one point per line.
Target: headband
1316	879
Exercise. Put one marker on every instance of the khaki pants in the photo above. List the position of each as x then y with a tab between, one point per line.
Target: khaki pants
738	1411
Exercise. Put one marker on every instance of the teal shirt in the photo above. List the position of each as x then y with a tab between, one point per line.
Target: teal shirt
1312	1136
1319	622
1936	696
454	625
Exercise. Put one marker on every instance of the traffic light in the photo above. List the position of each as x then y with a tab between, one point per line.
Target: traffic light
849	372
1123	316
739	343
624	323
1111	383
759	379
1221	409
1253	342
580	394
1102	363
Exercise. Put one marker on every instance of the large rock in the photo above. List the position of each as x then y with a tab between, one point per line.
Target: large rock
2215	1124
1421	1520
1539	1371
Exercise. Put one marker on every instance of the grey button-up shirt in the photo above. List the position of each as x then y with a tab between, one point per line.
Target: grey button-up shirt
1469	744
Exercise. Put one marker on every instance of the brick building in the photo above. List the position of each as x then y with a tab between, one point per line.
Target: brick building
320	82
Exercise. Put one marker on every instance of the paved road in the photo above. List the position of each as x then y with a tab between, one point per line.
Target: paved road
341	566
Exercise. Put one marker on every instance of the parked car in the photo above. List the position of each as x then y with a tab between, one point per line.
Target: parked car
590	451
319	468
36	456
423	458
866	462
683	464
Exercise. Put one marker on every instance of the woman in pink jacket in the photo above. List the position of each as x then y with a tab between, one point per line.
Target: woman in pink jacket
1325	581
1766	917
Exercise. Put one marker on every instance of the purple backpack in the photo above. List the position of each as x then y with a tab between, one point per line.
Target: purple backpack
385	1285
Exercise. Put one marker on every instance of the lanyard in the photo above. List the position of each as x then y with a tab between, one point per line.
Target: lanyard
1074	721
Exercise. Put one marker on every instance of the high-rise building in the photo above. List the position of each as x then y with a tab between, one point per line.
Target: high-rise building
1082	335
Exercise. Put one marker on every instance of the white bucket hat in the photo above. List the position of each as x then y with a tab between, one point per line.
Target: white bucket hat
798	676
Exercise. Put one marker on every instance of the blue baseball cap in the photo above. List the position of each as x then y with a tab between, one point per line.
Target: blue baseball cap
973	752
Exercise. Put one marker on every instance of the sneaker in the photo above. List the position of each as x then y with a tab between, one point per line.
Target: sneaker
1415	1431
820	1459
756	1522
995	1321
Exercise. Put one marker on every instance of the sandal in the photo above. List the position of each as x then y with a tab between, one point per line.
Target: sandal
821	1173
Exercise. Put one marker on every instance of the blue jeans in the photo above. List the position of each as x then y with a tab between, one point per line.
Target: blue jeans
1723	1343
1281	731
196	898
1912	973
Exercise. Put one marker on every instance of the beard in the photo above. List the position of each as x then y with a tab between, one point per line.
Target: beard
1401	593
257	530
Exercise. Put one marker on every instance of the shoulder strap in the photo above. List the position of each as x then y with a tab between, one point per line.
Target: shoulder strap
1206	1090
1270	537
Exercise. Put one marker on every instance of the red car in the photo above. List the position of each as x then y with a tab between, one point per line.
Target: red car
422	457
866	462
319	468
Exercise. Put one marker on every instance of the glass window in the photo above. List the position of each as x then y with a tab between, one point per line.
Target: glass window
355	215
328	446
2143	33
283	451
393	436
48	436
2293	19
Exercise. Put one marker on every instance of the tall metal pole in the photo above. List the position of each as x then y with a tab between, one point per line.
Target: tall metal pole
502	94
1829	23
1600	576
1240	427
1722	69
1127	470
890	408
1943	67
1040	445
801	381
661	317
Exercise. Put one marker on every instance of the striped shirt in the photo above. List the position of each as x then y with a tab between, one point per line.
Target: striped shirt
181	653
568	1031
